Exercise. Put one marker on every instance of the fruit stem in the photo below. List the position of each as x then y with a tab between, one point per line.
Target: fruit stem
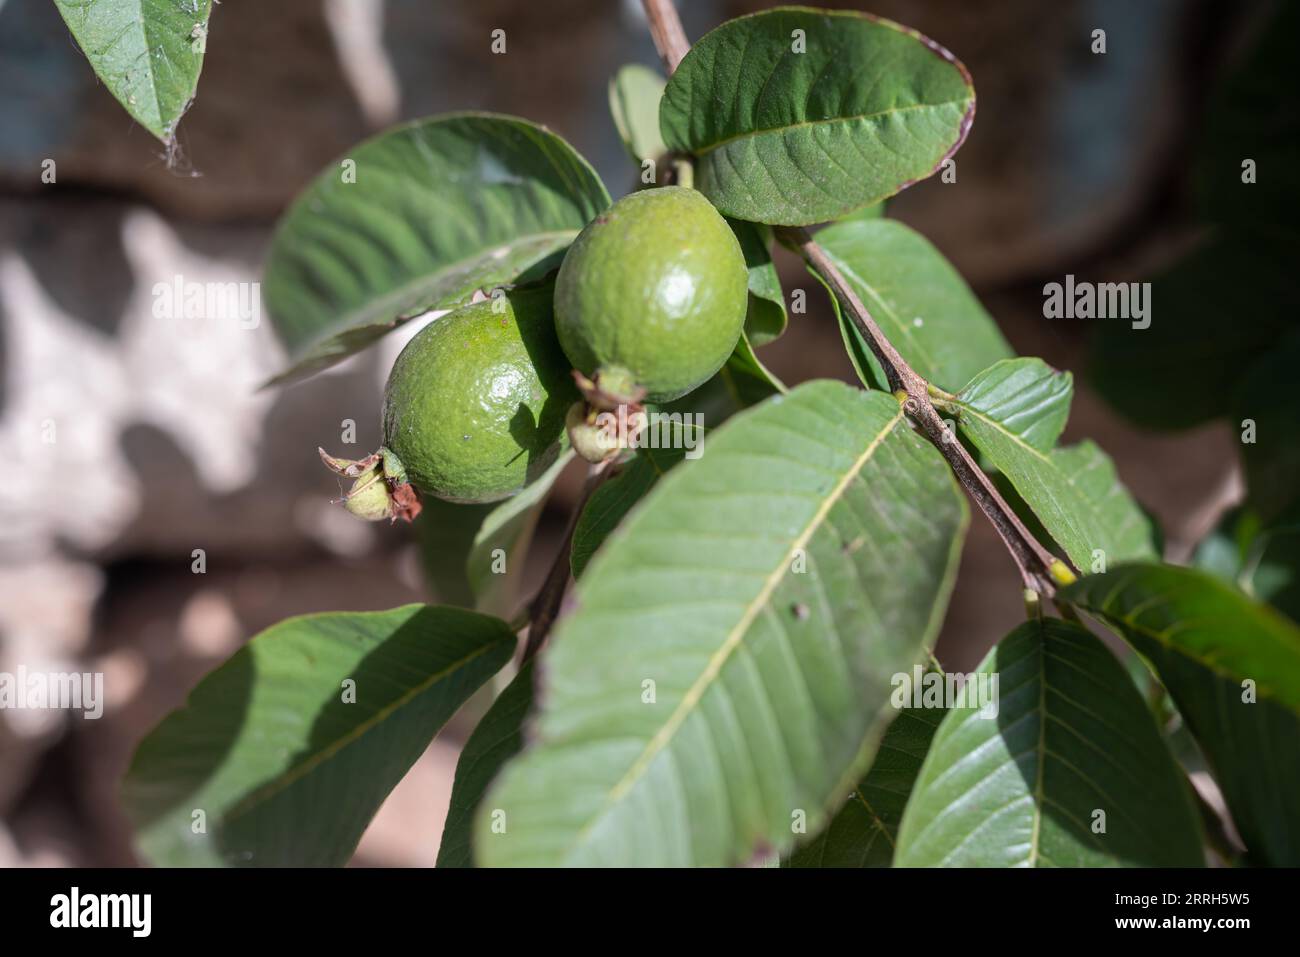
1035	563
544	609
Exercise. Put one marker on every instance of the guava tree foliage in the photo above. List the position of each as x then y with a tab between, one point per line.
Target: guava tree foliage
720	688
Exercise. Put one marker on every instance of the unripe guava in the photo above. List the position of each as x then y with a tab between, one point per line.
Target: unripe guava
652	292
475	404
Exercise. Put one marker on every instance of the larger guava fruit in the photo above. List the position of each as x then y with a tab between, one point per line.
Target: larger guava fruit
473	410
652	294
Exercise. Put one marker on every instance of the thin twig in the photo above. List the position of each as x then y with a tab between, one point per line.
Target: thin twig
1033	560
544	609
666	29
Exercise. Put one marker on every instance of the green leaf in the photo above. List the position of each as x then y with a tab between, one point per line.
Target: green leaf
446	532
1271	572
286	770
610	503
866	212
147	52
1071	737
790	137
1267	415
439	208
498	737
748	379
508	526
1027	397
765	318
865	831
1073	491
1185	368
918	299
1205	640
634	95
733	644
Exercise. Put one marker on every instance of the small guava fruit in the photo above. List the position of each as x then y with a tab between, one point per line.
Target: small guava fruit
475	404
652	294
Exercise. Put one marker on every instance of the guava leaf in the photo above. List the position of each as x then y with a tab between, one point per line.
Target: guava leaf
1073	491
1185	368
1233	669
610	503
1267	418
745	382
509	526
747	378
765	318
1026	396
724	671
498	737
418	218
634	95
1071	738
865	831
286	770
798	116
866	212
446	532
921	303
147	52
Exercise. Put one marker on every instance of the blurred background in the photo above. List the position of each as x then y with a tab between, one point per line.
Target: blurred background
1077	163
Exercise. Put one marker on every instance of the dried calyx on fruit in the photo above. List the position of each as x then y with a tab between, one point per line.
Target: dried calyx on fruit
379	489
598	434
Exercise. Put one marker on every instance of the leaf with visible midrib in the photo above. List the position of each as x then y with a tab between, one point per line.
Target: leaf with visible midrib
865	831
794	137
921	303
732	646
436	209
1071	737
1013	411
1206	640
285	768
147	52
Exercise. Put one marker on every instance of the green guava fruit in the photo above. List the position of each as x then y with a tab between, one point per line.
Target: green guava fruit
475	404
652	294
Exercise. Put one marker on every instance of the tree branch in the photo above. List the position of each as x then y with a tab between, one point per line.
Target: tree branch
666	29
1038	567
